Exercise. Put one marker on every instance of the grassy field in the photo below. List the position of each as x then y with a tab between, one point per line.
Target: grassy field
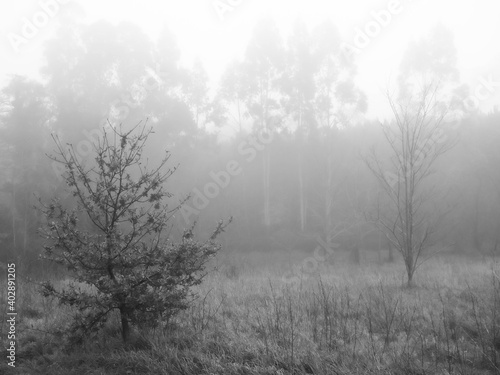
344	319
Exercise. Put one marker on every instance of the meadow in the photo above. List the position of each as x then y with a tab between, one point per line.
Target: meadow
343	319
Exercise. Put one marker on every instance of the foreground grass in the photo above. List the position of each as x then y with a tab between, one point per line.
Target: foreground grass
344	320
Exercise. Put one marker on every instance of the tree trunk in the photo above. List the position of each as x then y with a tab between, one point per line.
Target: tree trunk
328	206
475	227
25	229
301	198
14	229
355	255
266	172
391	252
410	268
409	284
125	325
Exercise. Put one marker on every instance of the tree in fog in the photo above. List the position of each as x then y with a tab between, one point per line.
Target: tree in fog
474	179
337	102
108	65
428	90
23	138
416	140
116	240
298	91
252	88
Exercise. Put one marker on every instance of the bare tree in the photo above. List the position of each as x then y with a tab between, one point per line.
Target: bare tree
416	140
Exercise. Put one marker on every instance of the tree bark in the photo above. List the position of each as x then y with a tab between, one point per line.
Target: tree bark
125	324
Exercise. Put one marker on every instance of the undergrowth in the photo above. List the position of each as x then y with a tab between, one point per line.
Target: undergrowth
346	319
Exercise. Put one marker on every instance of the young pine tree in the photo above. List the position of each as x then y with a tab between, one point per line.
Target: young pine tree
114	241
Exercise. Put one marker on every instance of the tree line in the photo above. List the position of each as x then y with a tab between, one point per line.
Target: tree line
281	142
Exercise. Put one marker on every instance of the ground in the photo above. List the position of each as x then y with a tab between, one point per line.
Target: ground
341	319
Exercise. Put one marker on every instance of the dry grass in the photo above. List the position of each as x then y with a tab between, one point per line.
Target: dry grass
345	319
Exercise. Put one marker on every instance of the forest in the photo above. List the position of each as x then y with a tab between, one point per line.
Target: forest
342	243
289	114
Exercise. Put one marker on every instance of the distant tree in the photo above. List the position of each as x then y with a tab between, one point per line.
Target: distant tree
474	177
24	119
105	78
415	142
429	92
433	58
298	91
261	72
124	255
338	103
196	93
231	96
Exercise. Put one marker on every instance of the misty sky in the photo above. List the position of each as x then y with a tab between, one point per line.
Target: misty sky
202	33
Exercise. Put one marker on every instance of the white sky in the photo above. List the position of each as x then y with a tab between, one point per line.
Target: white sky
201	33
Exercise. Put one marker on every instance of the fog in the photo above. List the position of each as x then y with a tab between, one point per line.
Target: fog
324	133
